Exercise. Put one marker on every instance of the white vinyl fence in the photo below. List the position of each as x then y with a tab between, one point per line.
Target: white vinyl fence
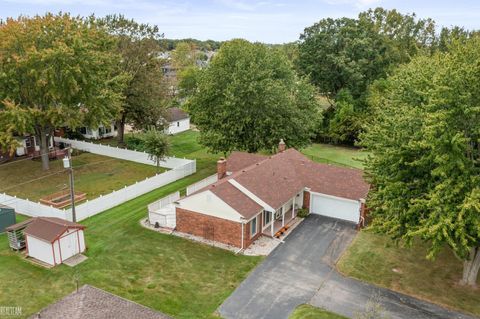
122	153
164	202
162	212
201	184
29	208
180	169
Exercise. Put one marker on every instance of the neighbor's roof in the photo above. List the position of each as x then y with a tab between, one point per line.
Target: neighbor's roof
176	114
276	179
19	225
94	303
49	228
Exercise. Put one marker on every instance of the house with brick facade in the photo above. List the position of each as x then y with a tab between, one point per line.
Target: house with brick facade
256	195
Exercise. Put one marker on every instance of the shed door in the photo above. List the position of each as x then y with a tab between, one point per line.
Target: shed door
335	207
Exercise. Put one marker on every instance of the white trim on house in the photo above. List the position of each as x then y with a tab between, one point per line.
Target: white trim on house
335	197
252	234
208	203
251	195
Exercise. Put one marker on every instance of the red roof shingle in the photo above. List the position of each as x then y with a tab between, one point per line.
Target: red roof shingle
278	178
49	228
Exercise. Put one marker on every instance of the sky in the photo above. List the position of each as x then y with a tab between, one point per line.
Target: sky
267	21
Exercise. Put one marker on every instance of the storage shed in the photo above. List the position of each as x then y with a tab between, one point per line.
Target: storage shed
53	240
7	217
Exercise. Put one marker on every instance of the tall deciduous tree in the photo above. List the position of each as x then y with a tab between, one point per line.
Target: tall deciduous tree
56	70
146	96
346	54
249	97
425	146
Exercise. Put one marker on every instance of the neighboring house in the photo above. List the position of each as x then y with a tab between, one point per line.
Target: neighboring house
100	132
30	145
89	302
51	240
177	121
258	195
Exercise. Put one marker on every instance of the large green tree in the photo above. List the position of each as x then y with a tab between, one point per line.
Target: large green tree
146	93
56	70
249	97
347	55
425	146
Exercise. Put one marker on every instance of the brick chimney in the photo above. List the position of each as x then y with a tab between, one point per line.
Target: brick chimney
221	168
281	146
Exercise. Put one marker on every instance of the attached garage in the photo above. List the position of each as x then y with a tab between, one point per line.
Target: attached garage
336	207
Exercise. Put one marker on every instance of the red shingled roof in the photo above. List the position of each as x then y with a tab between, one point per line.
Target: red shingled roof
239	160
276	179
49	228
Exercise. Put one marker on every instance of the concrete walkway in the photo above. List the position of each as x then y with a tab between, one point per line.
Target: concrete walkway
302	271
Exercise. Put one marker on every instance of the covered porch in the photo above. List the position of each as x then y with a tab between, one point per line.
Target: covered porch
275	224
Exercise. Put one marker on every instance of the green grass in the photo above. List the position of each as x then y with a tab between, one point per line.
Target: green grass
310	312
167	273
94	175
336	155
374	258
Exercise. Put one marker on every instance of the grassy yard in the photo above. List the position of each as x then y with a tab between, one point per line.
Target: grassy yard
375	259
94	174
173	275
170	274
336	155
309	312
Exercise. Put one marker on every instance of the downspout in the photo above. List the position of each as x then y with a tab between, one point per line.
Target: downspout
243	232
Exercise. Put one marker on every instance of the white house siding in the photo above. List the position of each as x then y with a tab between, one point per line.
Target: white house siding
22	150
178	126
209	204
41	250
95	133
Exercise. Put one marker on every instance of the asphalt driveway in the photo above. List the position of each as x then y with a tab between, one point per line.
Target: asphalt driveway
302	271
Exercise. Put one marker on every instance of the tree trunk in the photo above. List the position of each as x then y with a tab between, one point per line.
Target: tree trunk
121	129
471	268
41	134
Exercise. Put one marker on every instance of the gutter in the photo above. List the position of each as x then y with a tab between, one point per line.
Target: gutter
243	232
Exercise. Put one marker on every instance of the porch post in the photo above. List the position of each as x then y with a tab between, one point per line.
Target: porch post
293	206
283	216
273	222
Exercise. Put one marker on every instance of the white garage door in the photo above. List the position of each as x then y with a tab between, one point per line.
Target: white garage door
335	207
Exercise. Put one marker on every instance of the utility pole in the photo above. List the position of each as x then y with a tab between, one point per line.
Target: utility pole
67	164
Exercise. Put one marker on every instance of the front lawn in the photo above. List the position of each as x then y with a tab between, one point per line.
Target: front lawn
94	175
310	312
173	275
374	258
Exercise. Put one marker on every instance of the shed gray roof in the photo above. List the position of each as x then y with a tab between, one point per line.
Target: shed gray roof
94	303
176	114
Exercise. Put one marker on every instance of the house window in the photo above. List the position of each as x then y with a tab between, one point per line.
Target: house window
83	130
267	217
253	227
28	142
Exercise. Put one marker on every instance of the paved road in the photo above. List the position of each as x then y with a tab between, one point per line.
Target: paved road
301	271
